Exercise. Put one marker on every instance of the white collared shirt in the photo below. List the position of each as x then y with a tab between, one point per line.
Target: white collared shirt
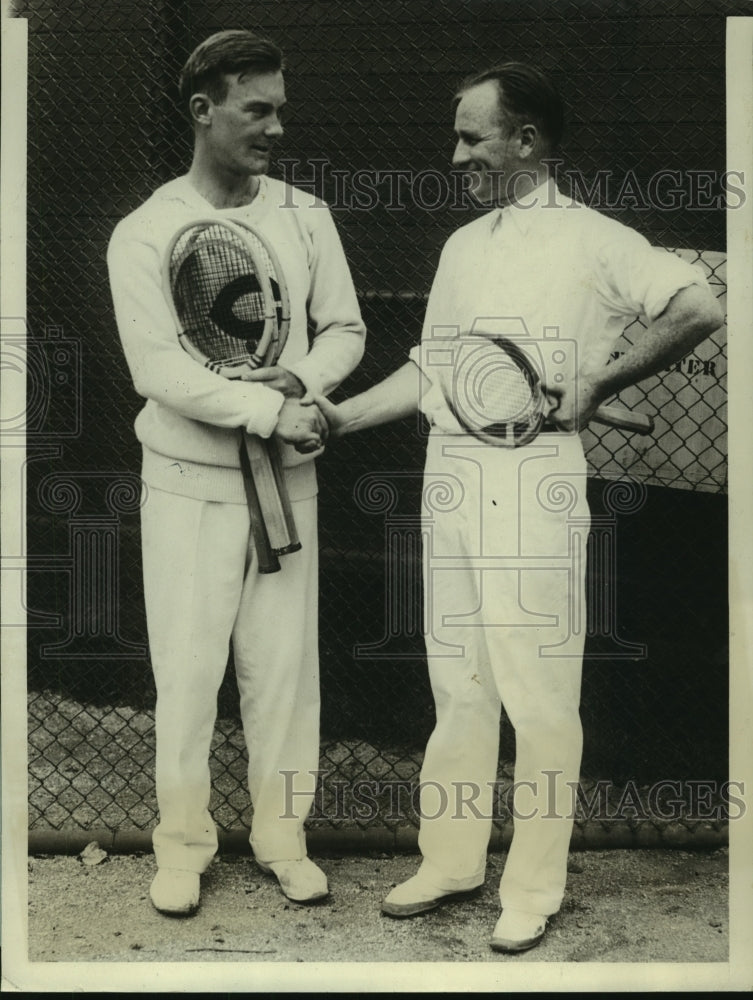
547	270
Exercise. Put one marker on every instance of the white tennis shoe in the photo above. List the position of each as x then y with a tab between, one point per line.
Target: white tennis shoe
301	881
175	892
518	931
418	895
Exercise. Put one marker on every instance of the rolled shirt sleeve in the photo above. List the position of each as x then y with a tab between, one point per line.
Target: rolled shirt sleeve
635	278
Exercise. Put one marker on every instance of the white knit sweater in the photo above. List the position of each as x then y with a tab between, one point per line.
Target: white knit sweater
188	427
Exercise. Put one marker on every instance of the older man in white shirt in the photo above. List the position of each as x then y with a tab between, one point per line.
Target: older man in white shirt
504	568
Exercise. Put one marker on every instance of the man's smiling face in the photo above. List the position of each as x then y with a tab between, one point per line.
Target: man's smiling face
488	145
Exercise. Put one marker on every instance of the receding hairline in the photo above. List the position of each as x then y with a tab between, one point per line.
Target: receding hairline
542	106
497	88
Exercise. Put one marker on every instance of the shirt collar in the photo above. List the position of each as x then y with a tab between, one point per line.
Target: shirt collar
524	213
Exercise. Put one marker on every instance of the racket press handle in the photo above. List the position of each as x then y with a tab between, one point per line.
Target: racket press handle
628	420
265	554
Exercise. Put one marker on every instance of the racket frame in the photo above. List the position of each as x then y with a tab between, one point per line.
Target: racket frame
515	434
236	369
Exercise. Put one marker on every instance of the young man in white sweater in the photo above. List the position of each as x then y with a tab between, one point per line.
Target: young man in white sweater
201	584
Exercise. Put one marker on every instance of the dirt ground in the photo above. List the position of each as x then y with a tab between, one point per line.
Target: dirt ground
656	906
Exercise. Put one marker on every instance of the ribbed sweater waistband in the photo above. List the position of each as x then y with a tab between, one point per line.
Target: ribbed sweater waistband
215	482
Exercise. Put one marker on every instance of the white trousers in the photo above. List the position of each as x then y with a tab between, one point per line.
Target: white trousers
505	535
202	590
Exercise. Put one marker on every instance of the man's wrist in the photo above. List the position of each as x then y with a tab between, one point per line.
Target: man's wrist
594	388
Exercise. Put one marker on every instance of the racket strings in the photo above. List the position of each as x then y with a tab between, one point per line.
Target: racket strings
218	296
490	387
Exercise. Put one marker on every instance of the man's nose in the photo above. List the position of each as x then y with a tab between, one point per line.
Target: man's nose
462	153
274	128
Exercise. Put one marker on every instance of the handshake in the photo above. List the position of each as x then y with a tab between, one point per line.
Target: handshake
304	421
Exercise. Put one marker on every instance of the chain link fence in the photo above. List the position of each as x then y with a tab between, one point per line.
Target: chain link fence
370	86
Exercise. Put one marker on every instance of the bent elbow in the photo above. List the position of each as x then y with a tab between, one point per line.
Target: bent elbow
360	350
703	313
142	384
716	316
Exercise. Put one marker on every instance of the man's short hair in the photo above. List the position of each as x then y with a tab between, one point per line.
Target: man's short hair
525	93
226	52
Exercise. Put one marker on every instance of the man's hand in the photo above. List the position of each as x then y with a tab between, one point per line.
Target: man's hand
572	404
332	414
302	425
692	314
278	378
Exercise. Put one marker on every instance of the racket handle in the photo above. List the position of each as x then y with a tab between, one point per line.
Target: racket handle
266	558
270	496
628	420
275	460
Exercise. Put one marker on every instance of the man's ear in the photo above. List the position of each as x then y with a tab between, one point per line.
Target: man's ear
529	136
201	107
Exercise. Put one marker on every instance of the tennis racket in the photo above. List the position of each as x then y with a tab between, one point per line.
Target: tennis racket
495	392
230	302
